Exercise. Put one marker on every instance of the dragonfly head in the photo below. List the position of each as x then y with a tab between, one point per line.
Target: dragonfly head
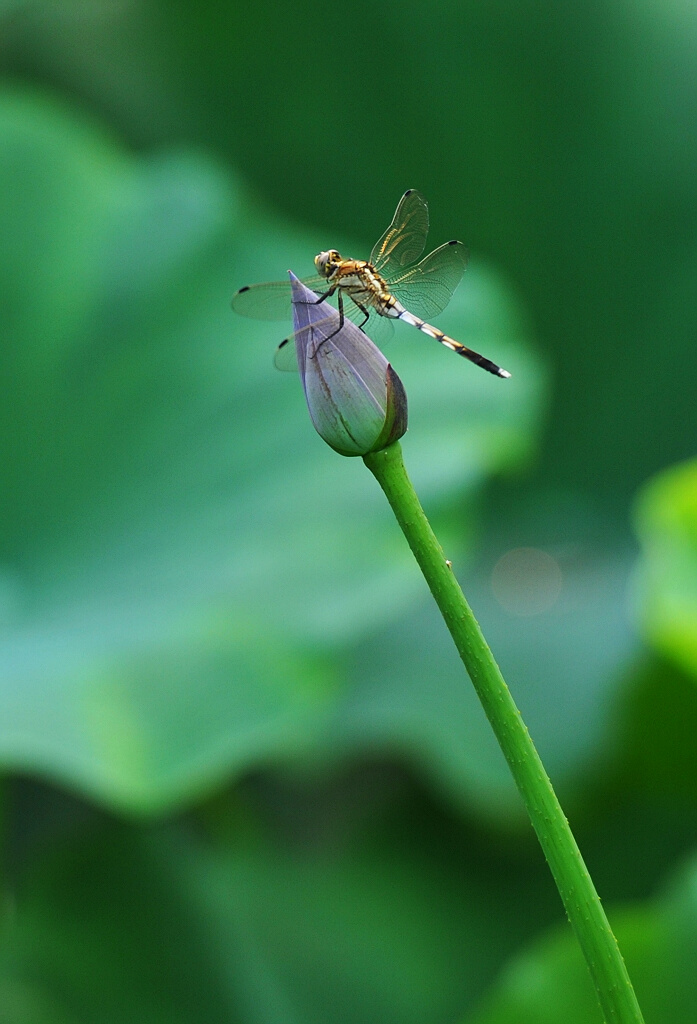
327	262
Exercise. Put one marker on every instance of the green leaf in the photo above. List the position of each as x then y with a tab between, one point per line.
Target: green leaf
357	918
179	554
659	724
666	522
550	982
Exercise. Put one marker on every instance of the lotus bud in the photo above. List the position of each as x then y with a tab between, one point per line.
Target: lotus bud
356	401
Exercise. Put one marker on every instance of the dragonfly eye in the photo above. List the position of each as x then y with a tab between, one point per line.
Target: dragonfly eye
326	262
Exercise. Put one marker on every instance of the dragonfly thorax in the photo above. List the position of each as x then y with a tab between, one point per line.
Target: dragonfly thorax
356	277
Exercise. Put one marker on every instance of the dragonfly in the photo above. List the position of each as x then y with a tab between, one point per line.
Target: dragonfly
394	284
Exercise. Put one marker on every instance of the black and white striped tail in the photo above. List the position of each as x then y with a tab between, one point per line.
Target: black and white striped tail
462	350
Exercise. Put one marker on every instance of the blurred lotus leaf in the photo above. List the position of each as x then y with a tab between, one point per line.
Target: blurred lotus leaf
666	522
550	982
179	553
121	923
228	922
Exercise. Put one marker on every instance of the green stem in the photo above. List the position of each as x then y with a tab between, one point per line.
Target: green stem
583	907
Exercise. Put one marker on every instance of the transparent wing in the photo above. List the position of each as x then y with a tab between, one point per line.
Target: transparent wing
379	328
271	301
286	356
404	241
427	288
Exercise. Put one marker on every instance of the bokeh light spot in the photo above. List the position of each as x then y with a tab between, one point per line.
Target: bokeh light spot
526	581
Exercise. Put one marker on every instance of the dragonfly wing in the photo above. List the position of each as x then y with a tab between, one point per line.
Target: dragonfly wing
380	329
427	288
377	327
404	241
271	301
286	356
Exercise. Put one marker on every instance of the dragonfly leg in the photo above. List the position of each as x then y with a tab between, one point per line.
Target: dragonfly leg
322	298
364	311
341	322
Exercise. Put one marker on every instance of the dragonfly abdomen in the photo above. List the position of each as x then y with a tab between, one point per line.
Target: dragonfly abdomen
397	310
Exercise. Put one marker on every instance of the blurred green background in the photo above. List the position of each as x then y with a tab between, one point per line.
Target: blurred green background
245	777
